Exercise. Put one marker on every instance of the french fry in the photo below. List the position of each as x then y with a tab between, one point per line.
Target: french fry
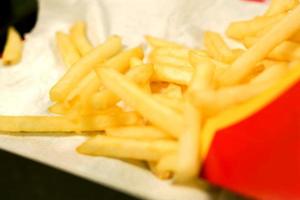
161	116
279	6
106	98
58	108
181	53
157	87
138	132
159	173
168	163
189	159
172	74
203	76
79	38
175	104
271	73
242	66
12	52
66	49
286	51
172	91
62	124
135	61
241	29
157	42
217	48
84	65
119	62
172	61
196	59
89	79
127	148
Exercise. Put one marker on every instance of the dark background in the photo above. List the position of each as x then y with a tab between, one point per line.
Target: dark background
25	179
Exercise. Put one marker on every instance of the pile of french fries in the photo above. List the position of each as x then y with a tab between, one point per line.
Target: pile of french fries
153	107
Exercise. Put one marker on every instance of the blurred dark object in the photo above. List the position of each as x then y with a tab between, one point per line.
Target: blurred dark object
25	179
19	13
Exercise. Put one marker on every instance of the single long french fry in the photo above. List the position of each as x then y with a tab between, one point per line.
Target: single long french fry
84	65
157	42
181	53
135	61
79	38
241	29
203	77
106	98
127	148
168	163
161	116
171	61
271	73
189	159
58	108
241	67
66	49
172	91
175	104
138	132
159	173
62	124
172	74
281	6
217	48
12	52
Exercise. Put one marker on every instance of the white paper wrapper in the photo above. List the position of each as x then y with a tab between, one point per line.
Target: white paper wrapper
24	88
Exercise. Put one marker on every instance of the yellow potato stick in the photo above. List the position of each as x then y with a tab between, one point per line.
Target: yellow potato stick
127	148
135	61
62	124
67	50
271	73
138	132
172	74
296	37
155	42
84	96
58	108
203	77
168	163
213	102
249	41
106	98
172	61
286	51
84	65
79	38
140	75
241	29
181	53
121	62
242	66
13	48
159	173
172	91
158	114
281	6
82	85
217	48
189	159
196	59
176	104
